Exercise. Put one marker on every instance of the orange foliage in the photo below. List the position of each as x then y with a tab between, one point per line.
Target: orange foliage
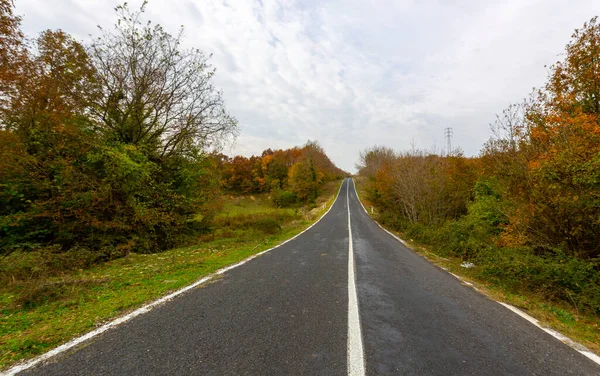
274	170
556	192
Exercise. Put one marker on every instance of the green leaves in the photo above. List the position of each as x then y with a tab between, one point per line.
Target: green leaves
105	150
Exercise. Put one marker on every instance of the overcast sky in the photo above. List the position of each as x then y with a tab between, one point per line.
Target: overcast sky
352	74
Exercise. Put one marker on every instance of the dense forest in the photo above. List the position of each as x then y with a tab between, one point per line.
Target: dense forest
526	211
290	175
112	147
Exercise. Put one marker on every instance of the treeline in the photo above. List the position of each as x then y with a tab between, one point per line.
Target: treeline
109	147
103	146
291	175
527	210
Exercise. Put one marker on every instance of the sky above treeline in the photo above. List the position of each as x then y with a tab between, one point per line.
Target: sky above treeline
353	74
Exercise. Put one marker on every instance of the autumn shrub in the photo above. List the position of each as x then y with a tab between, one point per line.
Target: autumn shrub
418	185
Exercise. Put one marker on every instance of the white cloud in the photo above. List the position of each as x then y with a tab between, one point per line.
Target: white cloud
352	74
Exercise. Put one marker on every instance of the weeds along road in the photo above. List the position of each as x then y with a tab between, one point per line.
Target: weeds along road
305	309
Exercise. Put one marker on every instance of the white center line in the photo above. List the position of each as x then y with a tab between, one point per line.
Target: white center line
356	359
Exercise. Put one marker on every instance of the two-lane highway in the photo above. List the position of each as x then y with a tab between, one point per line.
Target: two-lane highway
343	297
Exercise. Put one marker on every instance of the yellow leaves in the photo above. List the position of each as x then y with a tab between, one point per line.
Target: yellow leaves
265	162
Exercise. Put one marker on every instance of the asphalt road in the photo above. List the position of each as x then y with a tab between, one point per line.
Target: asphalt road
287	313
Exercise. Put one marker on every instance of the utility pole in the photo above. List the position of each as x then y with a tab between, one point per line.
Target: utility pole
448	133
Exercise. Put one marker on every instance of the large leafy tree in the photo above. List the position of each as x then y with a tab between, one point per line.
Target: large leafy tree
304	180
565	148
105	147
154	93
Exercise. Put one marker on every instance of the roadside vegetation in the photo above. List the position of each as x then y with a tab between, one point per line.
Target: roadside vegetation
39	314
113	189
526	211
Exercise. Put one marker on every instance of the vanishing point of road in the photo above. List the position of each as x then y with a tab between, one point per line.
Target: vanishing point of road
343	298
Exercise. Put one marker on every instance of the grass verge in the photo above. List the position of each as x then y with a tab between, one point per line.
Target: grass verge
38	315
563	318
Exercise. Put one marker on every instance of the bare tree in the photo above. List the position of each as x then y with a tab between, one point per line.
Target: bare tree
508	129
156	94
372	159
419	186
506	154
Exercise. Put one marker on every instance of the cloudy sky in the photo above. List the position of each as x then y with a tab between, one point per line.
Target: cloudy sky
352	74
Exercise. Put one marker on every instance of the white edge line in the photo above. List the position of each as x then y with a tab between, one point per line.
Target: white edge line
355	353
561	337
19	367
377	223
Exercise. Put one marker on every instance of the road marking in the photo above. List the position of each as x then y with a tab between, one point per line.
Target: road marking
20	367
561	337
377	223
356	359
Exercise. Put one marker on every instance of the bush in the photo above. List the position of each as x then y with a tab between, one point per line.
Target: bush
41	262
38	292
558	278
475	232
283	199
268	223
392	220
269	226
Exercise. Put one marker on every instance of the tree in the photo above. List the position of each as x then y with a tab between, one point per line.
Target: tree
46	118
13	52
372	159
240	175
303	180
573	85
105	147
321	162
548	155
275	168
565	148
154	94
416	185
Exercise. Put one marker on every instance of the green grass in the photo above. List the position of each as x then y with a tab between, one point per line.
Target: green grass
38	315
566	319
251	204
